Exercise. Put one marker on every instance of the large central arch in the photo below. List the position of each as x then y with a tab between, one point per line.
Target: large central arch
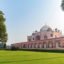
37	37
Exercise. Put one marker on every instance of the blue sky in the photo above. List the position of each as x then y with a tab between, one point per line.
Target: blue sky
25	16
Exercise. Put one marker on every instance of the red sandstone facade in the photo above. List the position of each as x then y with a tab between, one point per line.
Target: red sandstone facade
49	43
45	39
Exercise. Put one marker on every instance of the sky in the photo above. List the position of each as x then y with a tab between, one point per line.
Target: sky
25	16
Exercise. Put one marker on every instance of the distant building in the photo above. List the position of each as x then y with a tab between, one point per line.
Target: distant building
46	38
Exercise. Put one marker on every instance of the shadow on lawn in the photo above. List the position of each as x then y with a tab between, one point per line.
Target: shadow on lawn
44	50
39	50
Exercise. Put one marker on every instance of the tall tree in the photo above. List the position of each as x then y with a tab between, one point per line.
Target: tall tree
62	5
3	33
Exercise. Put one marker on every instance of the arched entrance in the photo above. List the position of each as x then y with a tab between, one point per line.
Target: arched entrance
57	44
50	44
44	45
37	37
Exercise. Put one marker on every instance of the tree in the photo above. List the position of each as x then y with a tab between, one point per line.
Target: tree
3	33
62	5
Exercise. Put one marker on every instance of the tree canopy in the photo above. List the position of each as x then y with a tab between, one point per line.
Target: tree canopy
62	5
3	32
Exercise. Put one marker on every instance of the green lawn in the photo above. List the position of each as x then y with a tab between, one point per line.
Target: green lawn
28	57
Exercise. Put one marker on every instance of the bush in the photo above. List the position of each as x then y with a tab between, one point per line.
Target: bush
14	48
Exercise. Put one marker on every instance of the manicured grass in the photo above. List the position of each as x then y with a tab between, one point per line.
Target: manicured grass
29	57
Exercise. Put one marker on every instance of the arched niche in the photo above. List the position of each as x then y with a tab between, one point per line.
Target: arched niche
37	37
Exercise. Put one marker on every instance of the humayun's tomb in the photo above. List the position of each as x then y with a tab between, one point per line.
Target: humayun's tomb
46	38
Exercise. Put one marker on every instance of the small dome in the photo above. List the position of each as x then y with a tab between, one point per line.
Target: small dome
45	28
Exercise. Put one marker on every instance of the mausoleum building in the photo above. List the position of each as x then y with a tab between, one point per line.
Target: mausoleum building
46	38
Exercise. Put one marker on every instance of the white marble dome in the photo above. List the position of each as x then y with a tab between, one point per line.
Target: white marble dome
46	28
